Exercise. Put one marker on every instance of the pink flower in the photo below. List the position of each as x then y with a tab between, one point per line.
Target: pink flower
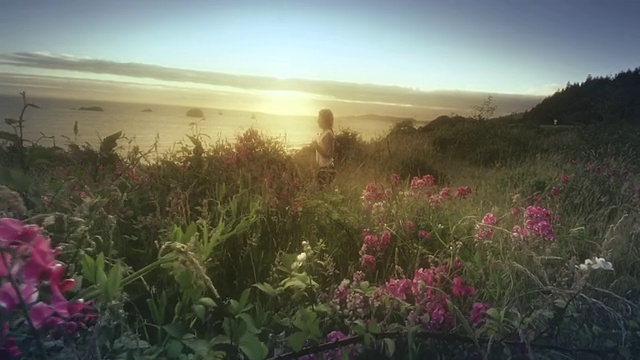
539	223
489	219
445	192
368	262
519	232
565	179
31	263
422	184
336	336
40	314
9	298
423	234
398	288
463	191
409	225
478	314
9	349
515	211
483	232
13	230
555	191
436	200
459	289
395	179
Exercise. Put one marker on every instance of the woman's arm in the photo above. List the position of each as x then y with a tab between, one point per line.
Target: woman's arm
326	147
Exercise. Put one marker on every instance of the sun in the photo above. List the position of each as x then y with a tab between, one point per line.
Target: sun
282	102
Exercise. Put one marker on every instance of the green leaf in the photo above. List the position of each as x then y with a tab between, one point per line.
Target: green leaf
288	260
191	230
314	329
297	339
198	346
296	283
389	347
206	301
200	311
220	340
89	269
174	348
374	327
252	347
493	314
175	330
251	326
113	281
109	143
477	259
100	263
267	288
244	298
226	326
234	307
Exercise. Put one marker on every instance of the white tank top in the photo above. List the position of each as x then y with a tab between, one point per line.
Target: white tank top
321	160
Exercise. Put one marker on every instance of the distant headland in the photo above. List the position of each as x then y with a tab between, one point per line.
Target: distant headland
91	108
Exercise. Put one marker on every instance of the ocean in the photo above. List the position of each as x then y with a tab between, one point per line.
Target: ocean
56	117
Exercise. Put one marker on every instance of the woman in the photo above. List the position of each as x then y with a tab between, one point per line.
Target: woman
325	149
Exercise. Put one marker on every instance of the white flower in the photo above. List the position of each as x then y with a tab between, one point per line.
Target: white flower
599	263
302	257
602	264
49	220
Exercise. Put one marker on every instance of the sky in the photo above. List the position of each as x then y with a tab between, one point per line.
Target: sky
402	57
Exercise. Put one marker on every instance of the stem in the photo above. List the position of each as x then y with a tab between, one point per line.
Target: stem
21	127
23	304
432	335
558	319
136	275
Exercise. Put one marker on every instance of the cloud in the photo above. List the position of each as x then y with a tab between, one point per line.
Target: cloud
327	91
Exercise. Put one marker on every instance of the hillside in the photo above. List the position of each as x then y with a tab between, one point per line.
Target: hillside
612	99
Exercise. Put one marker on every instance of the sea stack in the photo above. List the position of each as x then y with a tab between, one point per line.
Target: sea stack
195	112
91	108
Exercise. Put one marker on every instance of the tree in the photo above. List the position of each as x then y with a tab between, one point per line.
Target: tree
483	111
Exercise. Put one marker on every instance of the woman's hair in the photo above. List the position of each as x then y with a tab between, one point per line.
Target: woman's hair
327	117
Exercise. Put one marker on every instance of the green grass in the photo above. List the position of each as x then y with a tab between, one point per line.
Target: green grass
264	202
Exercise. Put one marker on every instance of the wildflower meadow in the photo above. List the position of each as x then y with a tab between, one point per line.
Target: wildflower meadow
481	240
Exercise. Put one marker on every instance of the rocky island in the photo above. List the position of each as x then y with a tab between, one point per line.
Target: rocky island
91	108
195	112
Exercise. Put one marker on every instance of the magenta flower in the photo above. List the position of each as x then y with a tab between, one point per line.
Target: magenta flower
336	335
539	223
489	219
423	234
565	179
483	232
28	260
460	289
463	191
9	298
478	314
368	262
